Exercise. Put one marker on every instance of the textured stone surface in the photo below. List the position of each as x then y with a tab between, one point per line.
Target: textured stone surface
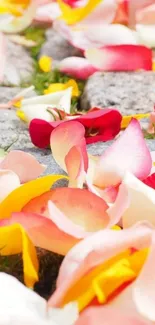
57	47
131	93
19	64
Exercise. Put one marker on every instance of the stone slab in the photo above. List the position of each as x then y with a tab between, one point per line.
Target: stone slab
57	47
129	92
18	66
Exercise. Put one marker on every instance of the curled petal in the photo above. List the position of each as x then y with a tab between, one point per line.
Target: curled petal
14	240
80	206
93	251
18	198
66	136
128	153
77	67
75	167
117	58
9	181
23	164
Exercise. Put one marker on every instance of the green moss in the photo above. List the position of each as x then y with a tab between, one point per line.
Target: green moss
36	34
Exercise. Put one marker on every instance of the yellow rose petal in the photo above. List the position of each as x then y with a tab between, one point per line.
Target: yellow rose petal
75	90
14	7
153	66
14	240
126	119
60	86
18	198
45	63
21	115
74	15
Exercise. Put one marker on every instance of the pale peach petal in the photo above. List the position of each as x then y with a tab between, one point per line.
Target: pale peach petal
65	224
107	316
80	206
43	232
95	250
23	164
66	136
128	153
144	286
8	182
75	167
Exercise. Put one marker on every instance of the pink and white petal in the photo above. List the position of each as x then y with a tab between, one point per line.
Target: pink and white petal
75	167
9	181
66	136
114	34
117	58
79	68
43	232
80	206
146	34
16	25
146	16
94	250
107	316
141	201
144	286
104	12
150	181
64	223
128	153
23	164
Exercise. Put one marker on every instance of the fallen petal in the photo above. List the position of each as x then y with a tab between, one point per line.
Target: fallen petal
128	153
118	58
9	181
77	67
14	240
23	164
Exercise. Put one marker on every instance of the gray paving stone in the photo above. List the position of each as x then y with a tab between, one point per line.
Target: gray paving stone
130	93
19	65
57	47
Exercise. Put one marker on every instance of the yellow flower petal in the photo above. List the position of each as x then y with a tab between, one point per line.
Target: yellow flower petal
21	115
104	280
153	66
126	119
14	240
18	103
45	63
14	7
60	86
18	198
74	15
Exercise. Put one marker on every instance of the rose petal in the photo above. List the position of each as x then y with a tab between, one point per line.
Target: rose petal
150	181
146	34
64	223
93	251
9	181
40	132
18	198
23	164
75	167
42	231
77	67
128	153
17	25
107	315
14	240
66	136
80	206
146	15
117	58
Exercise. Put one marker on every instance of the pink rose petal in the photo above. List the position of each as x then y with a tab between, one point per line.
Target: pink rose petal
79	68
75	167
95	250
23	164
9	181
118	58
66	136
107	316
128	153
